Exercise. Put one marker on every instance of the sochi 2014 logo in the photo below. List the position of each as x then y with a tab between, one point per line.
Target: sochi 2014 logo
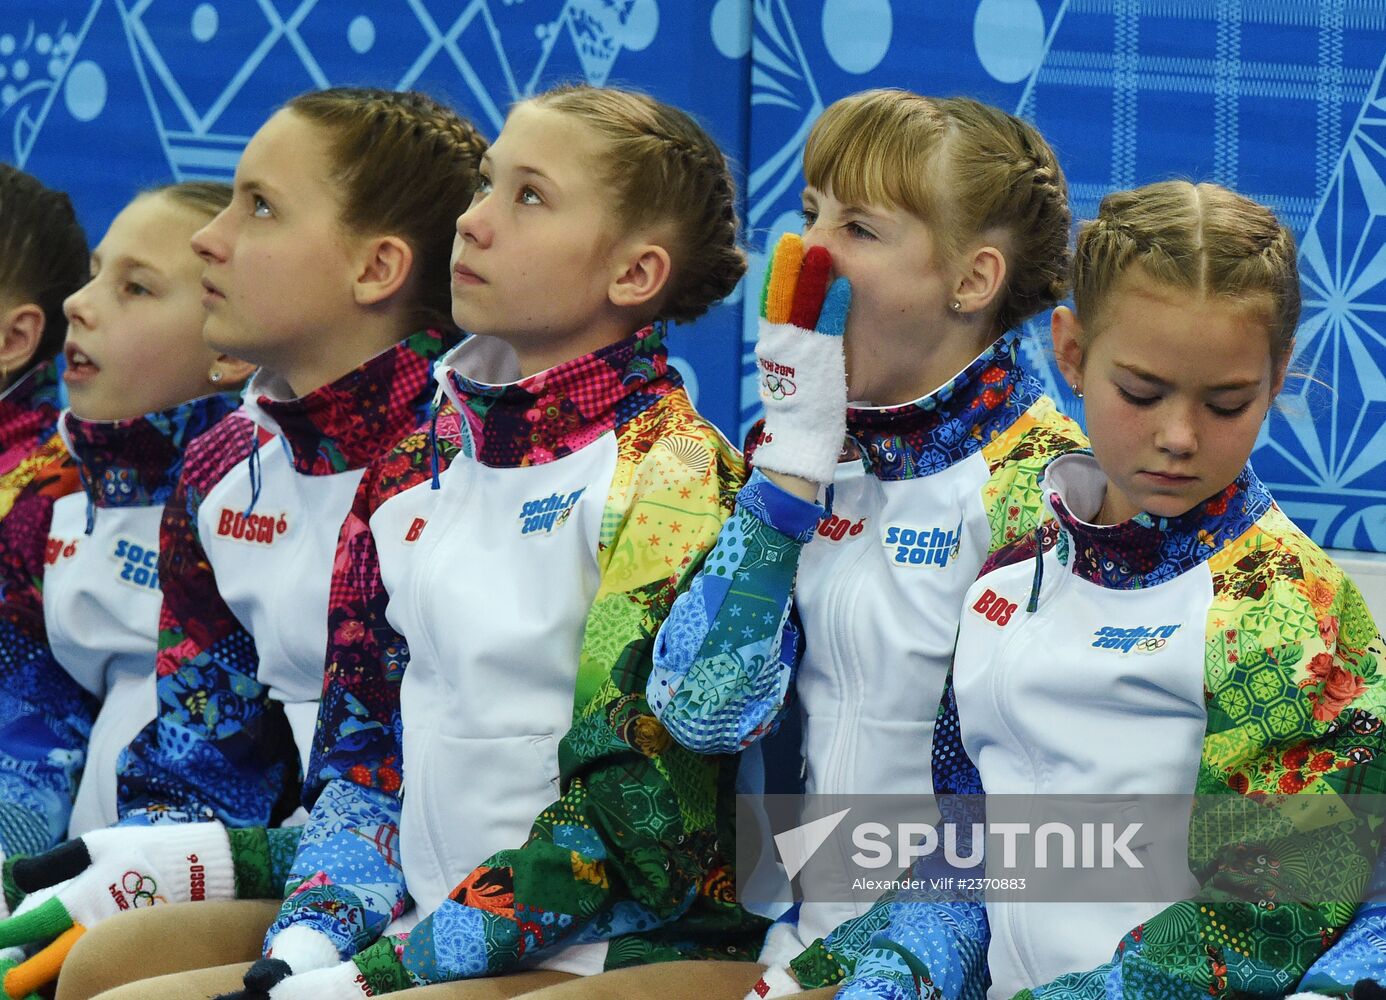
543	515
1140	639
139	566
922	546
776	380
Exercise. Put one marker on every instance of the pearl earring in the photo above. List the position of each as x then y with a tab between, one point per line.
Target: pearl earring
956	306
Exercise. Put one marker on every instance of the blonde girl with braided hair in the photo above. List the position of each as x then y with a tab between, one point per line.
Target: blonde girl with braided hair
498	586
1174	634
902	441
326	270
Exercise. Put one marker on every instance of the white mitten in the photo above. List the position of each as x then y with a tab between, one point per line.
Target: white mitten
803	375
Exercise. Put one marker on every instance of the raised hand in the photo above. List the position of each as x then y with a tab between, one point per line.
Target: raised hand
375	971
803	378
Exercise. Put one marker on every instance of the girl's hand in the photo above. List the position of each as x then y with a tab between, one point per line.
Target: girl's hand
373	972
9	959
97	876
272	979
803	373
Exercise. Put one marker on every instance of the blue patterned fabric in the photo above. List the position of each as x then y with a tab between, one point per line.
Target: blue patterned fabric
924	949
945	427
354	834
135	463
1361	952
45	722
726	655
1146	550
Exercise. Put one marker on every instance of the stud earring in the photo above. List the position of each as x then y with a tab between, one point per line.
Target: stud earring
956	306
214	377
1077	391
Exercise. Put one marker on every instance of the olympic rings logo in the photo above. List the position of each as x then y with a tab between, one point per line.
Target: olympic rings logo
1150	645
777	386
142	889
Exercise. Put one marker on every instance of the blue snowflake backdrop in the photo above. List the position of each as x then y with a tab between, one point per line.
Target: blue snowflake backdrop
1282	99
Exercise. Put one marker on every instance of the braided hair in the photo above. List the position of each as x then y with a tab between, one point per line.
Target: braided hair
665	170
407	166
1003	176
1202	238
970	171
43	254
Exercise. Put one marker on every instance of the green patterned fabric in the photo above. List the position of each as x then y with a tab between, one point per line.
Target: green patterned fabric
262	859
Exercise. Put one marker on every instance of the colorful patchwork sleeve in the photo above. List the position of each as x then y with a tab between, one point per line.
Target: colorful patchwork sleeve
924	949
725	657
1295	698
1017	458
45	716
636	850
907	946
910	947
219	747
1360	953
346	881
45	723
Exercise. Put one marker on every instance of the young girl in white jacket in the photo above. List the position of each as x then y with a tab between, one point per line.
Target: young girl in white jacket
1168	631
142	385
326	271
496	808
901	443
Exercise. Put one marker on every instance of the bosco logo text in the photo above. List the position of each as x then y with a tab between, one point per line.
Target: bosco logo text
835	528
994	608
197	879
58	549
257	529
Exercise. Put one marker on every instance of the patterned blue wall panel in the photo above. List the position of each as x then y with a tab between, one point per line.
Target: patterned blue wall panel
102	97
1282	99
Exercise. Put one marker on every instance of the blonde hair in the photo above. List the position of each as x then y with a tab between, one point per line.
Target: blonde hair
207	197
1200	238
964	168
407	166
664	169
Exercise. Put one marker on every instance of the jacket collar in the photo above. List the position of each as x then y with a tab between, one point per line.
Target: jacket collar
346	423
29	412
1146	550
135	463
929	434
508	421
